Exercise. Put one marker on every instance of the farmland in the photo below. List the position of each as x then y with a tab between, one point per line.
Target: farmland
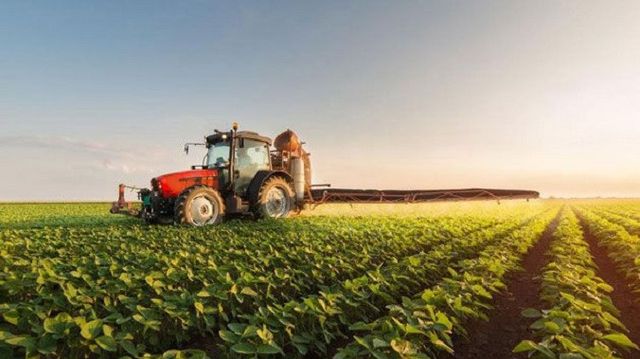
545	279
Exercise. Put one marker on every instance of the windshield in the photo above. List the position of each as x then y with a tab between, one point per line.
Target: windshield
218	155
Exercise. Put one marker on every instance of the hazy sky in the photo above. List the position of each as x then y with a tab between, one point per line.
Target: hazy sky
397	94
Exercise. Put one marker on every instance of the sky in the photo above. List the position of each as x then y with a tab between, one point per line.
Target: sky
541	95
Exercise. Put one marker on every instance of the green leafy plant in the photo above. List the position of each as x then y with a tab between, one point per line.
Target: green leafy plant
423	325
622	247
73	286
580	320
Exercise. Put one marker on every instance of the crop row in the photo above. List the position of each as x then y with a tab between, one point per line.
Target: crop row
422	326
40	215
622	247
628	209
622	219
319	322
308	255
580	319
73	291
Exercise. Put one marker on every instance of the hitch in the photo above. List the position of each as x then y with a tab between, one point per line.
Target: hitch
121	206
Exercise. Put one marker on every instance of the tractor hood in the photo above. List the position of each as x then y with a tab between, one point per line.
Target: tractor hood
171	185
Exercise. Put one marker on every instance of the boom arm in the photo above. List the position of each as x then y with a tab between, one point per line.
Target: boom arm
335	195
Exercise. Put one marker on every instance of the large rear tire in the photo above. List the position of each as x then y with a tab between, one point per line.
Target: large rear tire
199	206
276	199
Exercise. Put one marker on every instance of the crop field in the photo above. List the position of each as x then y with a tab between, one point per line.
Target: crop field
541	279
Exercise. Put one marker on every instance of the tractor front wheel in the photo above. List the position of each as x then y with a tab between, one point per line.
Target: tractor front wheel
275	200
199	206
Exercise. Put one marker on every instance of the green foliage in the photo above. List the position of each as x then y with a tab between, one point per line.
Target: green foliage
619	235
580	321
423	325
40	215
100	285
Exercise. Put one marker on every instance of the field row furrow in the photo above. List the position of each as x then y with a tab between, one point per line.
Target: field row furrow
423	325
580	318
623	248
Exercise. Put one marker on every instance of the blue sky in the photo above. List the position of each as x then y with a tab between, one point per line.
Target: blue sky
541	95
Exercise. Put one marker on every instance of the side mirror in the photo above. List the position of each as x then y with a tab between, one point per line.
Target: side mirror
186	146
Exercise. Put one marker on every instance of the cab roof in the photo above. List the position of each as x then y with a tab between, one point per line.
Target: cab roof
218	137
253	136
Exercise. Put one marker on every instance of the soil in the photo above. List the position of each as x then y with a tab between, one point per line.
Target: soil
622	296
506	327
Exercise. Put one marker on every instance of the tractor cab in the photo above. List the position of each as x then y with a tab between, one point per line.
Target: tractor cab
238	156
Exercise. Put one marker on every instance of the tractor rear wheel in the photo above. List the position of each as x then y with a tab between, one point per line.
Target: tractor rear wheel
276	199
199	206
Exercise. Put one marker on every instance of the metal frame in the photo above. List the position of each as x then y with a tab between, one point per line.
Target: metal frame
400	196
122	205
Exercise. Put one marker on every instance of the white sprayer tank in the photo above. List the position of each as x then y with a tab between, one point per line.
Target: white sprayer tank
297	171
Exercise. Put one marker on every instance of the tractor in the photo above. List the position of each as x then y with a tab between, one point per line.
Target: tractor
240	174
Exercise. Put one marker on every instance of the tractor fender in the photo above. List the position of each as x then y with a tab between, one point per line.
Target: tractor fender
261	176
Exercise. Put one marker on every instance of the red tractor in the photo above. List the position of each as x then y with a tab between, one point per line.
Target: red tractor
240	174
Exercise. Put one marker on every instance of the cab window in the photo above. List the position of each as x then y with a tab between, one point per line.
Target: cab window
250	157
